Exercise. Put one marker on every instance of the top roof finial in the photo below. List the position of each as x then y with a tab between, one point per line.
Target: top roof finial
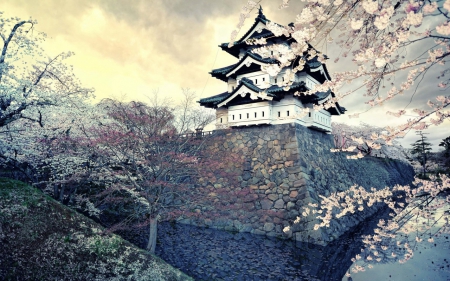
260	13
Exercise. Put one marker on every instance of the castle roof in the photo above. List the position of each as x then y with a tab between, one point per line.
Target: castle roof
247	92
255	32
249	57
274	92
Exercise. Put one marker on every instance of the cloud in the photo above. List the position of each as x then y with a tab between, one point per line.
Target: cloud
133	47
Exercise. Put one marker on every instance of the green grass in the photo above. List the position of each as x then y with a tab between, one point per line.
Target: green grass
43	240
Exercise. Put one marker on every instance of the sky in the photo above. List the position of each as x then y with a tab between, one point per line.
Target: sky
131	49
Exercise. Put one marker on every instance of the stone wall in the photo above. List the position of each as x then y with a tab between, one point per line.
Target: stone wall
283	168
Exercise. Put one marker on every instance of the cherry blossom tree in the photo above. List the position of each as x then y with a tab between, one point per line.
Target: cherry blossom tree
389	48
33	87
371	35
139	164
364	140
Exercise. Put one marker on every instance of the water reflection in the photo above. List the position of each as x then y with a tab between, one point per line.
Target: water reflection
208	254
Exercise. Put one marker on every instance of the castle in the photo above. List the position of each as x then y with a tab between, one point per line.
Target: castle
256	98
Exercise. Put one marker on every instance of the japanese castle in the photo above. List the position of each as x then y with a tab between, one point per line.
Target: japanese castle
256	98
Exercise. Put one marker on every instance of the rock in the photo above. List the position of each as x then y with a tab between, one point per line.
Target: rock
293	194
291	145
279	204
272	197
268	226
258	232
246	176
293	170
247	228
300	182
250	198
266	204
290	205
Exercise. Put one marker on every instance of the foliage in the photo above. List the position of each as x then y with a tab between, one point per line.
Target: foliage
421	151
444	156
35	90
364	140
135	157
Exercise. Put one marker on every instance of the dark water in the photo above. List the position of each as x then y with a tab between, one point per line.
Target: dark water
209	254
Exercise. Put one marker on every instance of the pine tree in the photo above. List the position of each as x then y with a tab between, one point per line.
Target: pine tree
421	151
446	153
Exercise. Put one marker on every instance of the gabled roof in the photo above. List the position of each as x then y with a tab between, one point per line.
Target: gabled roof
250	34
223	73
273	93
337	109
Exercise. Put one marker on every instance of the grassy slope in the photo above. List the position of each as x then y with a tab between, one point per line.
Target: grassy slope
41	239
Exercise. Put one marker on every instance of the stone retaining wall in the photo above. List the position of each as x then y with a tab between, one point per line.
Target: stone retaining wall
283	168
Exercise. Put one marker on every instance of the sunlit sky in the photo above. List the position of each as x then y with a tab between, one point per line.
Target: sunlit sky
132	48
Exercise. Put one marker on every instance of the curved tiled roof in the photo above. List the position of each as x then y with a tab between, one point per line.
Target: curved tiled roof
221	73
274	91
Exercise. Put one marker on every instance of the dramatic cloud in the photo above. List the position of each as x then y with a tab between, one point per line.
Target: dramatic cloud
134	47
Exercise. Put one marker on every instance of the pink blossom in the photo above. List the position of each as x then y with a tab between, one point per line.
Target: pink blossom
443	29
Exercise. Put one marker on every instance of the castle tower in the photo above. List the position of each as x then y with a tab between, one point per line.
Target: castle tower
255	98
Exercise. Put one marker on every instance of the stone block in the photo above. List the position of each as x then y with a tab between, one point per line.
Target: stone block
293	194
266	204
263	187
249	206
268	226
272	197
291	145
258	232
289	163
300	182
250	198
293	170
279	204
247	228
255	180
290	205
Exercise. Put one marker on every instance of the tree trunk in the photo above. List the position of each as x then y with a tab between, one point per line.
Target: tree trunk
152	236
61	194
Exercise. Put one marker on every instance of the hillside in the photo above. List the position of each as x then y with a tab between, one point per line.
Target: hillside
43	240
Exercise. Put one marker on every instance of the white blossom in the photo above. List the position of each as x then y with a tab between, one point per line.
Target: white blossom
370	6
356	24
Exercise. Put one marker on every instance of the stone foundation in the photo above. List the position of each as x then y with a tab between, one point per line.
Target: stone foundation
283	168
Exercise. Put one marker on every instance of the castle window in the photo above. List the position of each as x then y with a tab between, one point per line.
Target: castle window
282	78
255	114
220	120
287	114
233	117
240	116
263	114
256	81
309	114
275	80
248	115
264	79
279	114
